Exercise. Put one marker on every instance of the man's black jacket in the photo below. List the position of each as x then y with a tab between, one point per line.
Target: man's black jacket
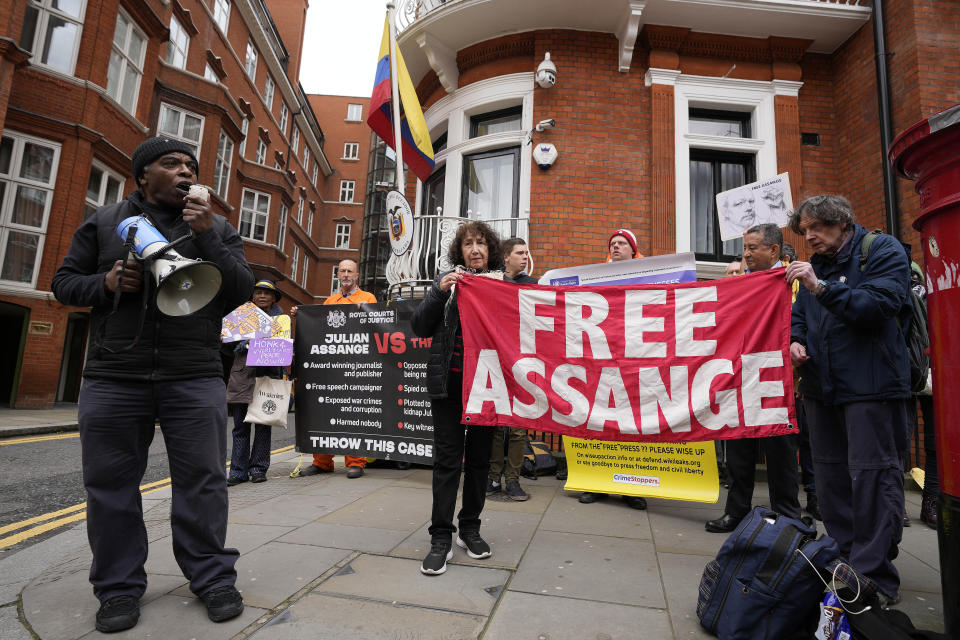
168	348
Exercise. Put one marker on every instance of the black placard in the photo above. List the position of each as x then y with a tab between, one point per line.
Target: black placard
361	382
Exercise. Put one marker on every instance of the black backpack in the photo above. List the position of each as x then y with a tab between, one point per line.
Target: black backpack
916	333
538	459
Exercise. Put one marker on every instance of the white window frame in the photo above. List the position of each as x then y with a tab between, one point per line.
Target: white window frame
313	178
244	129
342	239
105	176
354	113
116	92
261	151
310	223
221	14
753	96
306	270
452	114
300	212
13	181
269	88
210	74
306	157
282	227
284	116
46	12
351	151
254	214
347	190
178	135
221	168
334	281
294	260
178	45
250	61
295	140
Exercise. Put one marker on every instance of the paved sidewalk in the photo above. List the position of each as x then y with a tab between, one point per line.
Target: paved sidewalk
24	422
330	558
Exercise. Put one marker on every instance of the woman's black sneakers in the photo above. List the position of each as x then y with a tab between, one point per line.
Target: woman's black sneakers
436	561
475	545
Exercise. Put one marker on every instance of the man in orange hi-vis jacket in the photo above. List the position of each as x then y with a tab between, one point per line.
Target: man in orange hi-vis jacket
349	293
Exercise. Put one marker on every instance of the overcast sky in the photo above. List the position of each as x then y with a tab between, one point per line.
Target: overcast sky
344	60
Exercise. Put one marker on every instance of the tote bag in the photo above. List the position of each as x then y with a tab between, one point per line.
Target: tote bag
271	399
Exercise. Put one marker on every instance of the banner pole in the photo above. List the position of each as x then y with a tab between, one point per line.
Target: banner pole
395	99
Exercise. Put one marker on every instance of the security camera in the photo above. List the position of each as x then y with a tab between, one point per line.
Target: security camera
549	123
546	73
546	78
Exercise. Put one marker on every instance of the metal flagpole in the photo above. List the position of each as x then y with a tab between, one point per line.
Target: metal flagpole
395	99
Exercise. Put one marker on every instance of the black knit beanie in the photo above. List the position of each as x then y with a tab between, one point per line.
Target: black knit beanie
150	150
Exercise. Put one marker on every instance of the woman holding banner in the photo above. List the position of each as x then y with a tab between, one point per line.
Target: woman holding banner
246	461
475	249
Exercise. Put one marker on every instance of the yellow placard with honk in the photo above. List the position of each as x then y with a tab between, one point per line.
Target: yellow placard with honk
280	327
678	471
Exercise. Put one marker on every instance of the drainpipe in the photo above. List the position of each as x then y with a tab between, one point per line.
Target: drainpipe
886	122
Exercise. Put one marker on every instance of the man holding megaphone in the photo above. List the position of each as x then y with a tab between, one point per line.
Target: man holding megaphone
154	357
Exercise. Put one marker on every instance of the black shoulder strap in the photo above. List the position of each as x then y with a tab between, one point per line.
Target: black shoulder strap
782	547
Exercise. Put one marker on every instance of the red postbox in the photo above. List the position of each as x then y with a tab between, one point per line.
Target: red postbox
929	152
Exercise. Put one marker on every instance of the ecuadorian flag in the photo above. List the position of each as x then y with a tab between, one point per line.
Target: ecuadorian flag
417	148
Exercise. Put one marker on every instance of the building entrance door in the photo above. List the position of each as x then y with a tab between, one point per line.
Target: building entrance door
13	335
74	356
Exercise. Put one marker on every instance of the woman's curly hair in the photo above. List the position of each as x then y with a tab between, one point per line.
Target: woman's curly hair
482	229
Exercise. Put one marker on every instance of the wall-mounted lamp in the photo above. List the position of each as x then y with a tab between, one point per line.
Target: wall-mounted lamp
546	72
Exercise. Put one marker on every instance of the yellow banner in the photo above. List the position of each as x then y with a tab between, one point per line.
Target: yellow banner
281	327
679	471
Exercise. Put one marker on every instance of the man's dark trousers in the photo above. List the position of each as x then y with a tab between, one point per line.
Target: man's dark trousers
859	481
116	428
781	455
807	477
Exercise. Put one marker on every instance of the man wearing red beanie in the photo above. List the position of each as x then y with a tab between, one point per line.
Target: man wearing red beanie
622	245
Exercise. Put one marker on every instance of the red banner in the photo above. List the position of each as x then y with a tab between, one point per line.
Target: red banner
671	362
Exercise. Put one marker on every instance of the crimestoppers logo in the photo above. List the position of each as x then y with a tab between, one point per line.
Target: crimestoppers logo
646	481
269	407
336	319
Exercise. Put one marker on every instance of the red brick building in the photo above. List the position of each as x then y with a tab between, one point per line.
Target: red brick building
81	84
348	147
660	104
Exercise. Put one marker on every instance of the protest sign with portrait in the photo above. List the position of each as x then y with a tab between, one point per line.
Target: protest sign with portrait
761	202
